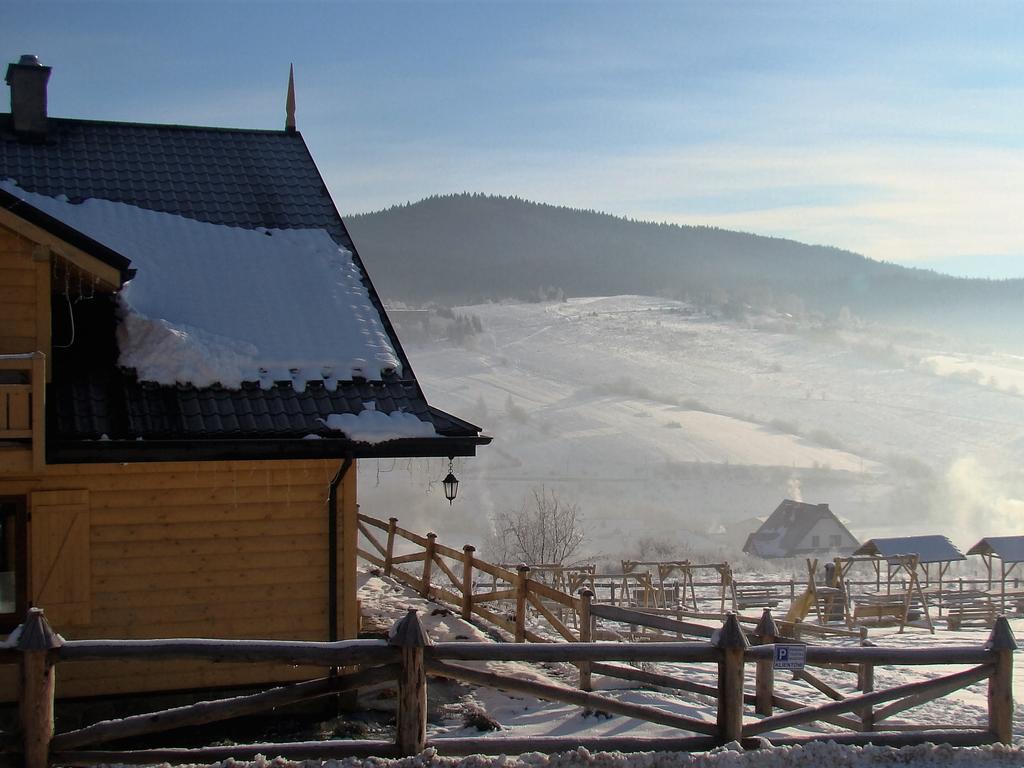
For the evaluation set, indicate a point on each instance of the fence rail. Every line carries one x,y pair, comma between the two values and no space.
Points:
407,659
456,572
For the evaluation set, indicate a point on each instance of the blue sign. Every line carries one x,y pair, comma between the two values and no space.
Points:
790,656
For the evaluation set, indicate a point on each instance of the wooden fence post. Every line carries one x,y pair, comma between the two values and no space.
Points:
411,727
522,587
390,552
428,564
586,635
467,581
37,680
733,643
1000,683
866,683
766,633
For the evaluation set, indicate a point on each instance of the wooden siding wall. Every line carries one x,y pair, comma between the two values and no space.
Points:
24,296
202,549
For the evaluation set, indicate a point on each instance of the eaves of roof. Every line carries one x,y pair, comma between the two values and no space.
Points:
130,451
69,235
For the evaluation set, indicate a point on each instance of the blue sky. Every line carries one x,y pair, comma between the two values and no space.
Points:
891,129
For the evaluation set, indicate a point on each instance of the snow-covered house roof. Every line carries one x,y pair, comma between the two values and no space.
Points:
244,313
784,530
1009,549
929,549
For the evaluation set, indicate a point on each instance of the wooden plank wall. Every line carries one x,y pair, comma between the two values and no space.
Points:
18,295
201,549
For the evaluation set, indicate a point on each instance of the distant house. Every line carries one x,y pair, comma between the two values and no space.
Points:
192,361
796,529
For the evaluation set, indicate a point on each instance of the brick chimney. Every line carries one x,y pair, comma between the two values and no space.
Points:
27,80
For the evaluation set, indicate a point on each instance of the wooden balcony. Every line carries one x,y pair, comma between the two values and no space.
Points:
23,412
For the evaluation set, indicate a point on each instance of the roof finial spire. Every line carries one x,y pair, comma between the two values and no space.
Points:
289,120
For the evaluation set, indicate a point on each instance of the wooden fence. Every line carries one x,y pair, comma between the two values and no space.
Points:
408,658
458,570
503,596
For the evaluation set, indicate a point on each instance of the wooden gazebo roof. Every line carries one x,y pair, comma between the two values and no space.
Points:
929,549
1009,549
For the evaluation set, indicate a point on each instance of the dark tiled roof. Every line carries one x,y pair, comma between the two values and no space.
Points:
241,178
118,406
223,176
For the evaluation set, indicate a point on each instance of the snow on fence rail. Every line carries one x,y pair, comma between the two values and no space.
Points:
408,658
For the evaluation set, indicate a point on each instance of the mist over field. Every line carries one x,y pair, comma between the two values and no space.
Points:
676,421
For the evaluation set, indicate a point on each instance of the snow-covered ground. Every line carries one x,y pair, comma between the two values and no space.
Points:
809,756
384,601
526,716
661,421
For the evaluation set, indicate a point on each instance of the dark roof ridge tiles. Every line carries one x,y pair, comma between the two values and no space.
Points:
5,118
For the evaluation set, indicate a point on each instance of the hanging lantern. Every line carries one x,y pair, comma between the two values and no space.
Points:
451,482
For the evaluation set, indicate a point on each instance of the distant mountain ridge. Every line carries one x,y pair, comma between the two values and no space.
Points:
469,248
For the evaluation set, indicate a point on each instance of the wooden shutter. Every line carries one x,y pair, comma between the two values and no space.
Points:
60,580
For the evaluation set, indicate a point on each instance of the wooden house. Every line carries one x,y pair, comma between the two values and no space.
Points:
796,529
192,361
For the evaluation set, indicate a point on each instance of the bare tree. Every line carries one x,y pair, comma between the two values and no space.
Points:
545,529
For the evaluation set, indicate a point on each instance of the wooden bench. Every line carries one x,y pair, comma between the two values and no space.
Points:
880,612
757,597
972,615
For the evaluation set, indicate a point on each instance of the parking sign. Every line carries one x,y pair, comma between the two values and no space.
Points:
790,656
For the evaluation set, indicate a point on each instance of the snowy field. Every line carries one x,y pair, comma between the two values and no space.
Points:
667,425
660,420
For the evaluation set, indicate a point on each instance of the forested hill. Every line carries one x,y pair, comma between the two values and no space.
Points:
473,248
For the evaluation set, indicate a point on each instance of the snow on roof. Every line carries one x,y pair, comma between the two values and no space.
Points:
929,549
373,426
1009,549
217,304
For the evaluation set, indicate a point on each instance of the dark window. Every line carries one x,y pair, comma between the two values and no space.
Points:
815,541
13,579
835,541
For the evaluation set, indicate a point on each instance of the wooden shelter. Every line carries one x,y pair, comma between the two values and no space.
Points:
935,554
1009,552
678,578
139,508
878,606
